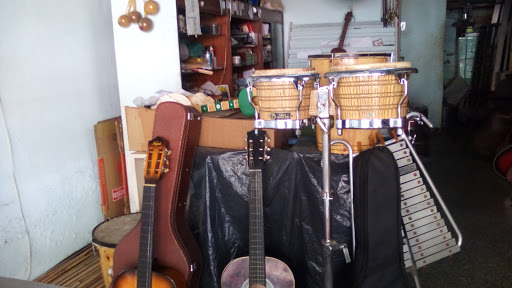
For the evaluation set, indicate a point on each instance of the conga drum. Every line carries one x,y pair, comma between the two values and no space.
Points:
105,238
282,94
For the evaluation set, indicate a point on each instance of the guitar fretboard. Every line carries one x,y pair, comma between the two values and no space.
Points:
146,235
256,233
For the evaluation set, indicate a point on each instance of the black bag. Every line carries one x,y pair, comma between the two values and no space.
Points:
379,257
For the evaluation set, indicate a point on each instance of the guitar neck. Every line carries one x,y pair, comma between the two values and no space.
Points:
256,233
348,17
343,34
146,235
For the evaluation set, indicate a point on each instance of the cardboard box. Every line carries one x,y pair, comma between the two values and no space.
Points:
139,123
225,129
221,129
112,168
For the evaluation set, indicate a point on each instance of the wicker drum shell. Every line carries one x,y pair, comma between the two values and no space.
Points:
276,100
370,97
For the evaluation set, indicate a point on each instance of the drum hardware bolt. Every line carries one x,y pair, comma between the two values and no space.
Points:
110,272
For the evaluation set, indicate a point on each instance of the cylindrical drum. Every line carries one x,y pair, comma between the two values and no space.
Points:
275,99
370,96
105,238
323,62
359,139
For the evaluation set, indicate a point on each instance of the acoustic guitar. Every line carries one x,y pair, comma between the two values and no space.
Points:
256,270
339,49
144,276
173,243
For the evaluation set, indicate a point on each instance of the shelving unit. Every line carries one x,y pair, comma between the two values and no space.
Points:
225,73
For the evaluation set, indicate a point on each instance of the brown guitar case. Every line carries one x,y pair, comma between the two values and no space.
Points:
173,244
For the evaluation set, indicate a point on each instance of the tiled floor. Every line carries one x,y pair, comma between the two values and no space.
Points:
476,197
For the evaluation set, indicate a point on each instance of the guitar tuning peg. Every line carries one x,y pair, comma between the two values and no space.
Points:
267,139
168,152
165,170
166,162
267,148
266,157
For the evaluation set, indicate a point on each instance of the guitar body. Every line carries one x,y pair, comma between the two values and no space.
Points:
173,243
170,279
236,274
503,163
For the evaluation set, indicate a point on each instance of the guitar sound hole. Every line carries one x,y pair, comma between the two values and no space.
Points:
246,284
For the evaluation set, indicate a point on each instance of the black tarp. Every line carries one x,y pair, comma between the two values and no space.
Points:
293,212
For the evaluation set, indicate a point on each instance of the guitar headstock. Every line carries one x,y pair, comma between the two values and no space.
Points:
257,149
348,17
155,159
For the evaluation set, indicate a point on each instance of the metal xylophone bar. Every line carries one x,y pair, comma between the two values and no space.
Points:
424,226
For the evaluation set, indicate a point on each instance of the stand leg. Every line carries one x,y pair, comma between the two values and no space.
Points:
326,176
414,269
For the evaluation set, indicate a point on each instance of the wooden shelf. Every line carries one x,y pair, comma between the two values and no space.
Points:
221,43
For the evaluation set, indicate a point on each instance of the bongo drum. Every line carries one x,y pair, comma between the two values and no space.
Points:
358,139
370,91
105,238
323,62
282,94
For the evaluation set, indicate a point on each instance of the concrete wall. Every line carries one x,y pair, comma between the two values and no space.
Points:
57,79
423,45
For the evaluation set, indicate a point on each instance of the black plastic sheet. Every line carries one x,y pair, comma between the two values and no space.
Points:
293,212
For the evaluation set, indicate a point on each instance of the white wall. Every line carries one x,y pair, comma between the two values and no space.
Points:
57,79
146,62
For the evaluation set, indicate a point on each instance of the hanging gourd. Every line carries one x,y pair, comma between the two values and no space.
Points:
145,24
151,7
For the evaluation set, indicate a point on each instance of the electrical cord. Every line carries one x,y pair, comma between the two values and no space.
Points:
9,146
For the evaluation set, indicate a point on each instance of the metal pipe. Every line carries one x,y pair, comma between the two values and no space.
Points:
351,179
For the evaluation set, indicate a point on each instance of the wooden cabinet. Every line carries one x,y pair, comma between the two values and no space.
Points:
239,35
